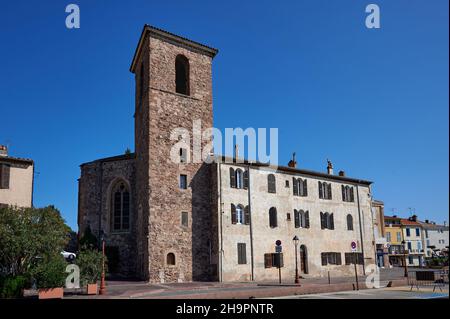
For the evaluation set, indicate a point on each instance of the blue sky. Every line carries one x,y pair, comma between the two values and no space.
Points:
373,101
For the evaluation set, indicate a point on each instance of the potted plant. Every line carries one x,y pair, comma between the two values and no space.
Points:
50,275
90,262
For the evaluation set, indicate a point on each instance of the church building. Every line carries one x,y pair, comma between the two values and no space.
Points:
176,221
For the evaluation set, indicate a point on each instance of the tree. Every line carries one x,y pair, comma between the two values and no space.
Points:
29,236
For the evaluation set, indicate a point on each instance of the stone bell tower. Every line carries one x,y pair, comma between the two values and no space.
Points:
173,198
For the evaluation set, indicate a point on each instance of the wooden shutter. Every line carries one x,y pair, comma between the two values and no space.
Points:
271,183
305,188
4,176
324,259
296,219
242,254
246,215
307,219
232,178
320,190
322,220
343,193
349,222
329,191
352,199
331,222
246,179
233,214
295,186
268,260
338,259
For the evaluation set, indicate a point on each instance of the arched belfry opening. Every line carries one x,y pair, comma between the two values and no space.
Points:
182,75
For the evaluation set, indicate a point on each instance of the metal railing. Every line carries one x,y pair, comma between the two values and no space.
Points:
427,278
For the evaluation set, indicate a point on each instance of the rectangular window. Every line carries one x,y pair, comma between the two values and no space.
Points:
287,183
331,258
409,246
288,216
417,232
242,253
388,237
4,176
411,260
183,181
185,219
399,237
351,258
268,260
408,232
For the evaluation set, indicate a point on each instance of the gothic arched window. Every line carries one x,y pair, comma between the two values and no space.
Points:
182,74
120,207
239,178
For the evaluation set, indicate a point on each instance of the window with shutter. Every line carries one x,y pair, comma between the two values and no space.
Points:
343,193
247,215
331,221
295,186
300,186
320,190
271,183
322,220
242,254
338,259
268,260
233,214
349,222
352,198
4,176
232,178
296,219
324,259
246,179
307,219
305,188
329,192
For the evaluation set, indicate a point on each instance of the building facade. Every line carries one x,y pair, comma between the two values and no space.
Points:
436,238
395,240
166,216
414,243
382,254
16,180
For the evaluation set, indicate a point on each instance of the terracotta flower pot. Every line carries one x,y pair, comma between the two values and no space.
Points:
92,289
51,293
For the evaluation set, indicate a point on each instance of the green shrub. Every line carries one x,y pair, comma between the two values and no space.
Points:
11,287
50,273
90,263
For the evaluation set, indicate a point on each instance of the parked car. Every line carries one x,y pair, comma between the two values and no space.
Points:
68,255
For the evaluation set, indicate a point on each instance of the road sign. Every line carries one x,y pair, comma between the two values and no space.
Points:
278,249
278,242
353,245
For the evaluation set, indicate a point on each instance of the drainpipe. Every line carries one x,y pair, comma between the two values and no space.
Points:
251,222
360,229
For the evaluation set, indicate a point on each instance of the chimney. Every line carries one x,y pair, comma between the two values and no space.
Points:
395,216
329,167
427,221
3,150
414,218
341,173
292,162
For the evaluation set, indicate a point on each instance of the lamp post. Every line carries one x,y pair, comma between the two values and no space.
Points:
296,240
102,290
404,258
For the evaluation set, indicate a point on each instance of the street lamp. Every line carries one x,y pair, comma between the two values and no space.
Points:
404,258
102,290
296,240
